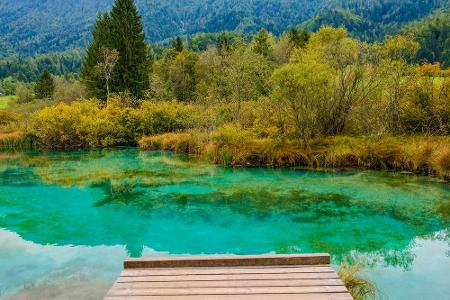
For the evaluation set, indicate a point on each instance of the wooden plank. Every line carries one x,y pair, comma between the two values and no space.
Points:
226,291
312,296
228,283
244,267
222,271
227,260
261,277
235,267
325,275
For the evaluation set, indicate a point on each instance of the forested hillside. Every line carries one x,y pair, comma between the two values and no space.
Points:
29,68
30,27
372,20
433,34
55,25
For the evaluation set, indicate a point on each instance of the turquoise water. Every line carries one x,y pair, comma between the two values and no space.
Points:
68,219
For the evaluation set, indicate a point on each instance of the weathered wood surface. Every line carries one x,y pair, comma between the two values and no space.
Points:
262,277
228,261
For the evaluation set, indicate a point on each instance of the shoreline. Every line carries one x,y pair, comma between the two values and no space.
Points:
406,155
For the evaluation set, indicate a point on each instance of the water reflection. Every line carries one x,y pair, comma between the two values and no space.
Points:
105,205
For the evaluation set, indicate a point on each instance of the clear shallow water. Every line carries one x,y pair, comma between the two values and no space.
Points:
68,219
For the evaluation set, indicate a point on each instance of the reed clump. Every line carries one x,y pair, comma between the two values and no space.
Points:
234,146
359,287
15,140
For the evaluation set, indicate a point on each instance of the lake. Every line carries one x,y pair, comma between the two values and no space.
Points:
68,219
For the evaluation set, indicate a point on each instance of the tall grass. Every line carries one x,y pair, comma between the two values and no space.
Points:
15,140
232,146
191,142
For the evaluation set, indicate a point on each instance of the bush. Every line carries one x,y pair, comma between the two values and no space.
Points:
89,124
192,142
6,118
60,126
159,117
68,90
85,124
24,93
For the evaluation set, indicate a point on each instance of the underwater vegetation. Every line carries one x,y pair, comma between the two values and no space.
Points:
155,203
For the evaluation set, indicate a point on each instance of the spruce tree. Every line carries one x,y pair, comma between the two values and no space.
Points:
261,44
298,39
223,44
177,44
128,38
101,39
120,30
45,86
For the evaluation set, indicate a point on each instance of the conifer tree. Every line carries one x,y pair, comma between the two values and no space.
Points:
223,43
298,39
177,44
261,44
101,39
128,38
45,86
120,30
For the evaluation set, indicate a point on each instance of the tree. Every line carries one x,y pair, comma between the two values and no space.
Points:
177,44
262,44
128,38
45,86
223,44
399,77
122,31
298,39
302,90
182,74
8,85
101,38
106,67
246,77
210,77
24,93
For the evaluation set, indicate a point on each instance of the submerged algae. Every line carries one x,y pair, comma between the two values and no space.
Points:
174,204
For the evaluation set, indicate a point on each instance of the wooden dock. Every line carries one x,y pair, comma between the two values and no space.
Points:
260,277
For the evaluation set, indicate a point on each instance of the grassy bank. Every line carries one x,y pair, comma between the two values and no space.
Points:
5,100
233,147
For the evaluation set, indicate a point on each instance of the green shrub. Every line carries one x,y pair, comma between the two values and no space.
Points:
192,142
85,124
159,117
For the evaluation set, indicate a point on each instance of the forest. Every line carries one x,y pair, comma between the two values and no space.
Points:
367,21
27,31
318,99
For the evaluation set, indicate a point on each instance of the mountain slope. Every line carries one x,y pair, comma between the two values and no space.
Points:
31,27
433,34
372,20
